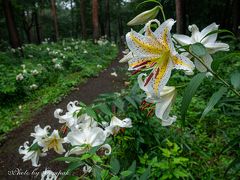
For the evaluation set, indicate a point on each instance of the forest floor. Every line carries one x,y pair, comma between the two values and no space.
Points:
11,165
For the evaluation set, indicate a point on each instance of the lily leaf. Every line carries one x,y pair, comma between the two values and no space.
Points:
235,80
115,165
214,100
190,91
198,49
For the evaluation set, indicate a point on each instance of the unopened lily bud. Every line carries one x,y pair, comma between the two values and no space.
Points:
144,17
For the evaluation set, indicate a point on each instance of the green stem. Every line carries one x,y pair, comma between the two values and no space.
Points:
215,74
163,14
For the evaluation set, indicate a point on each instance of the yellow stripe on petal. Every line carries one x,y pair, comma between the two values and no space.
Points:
145,46
158,77
177,61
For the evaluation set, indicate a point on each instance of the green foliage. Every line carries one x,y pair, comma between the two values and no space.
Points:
48,71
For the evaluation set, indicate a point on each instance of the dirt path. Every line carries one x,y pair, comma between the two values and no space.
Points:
11,162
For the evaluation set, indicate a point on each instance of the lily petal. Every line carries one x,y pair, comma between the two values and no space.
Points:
214,47
208,29
140,44
182,62
183,39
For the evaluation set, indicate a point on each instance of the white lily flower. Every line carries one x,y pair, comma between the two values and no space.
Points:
53,141
163,100
116,124
87,169
30,155
70,117
90,137
107,149
155,50
209,42
164,106
114,74
47,174
40,133
126,57
85,121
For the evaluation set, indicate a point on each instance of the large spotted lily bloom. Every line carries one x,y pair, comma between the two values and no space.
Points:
209,42
163,100
155,51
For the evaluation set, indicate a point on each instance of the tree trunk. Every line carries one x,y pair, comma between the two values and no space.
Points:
82,16
54,16
72,29
236,17
12,30
95,21
180,16
27,26
120,26
107,20
37,27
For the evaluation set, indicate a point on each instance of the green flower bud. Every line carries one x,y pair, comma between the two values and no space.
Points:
144,17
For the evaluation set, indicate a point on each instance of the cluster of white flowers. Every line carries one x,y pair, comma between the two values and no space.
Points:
19,77
33,86
58,66
83,133
102,41
46,40
34,72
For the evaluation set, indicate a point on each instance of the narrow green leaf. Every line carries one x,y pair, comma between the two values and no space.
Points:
198,49
235,80
126,173
131,101
214,100
234,165
69,159
119,104
180,173
132,167
115,165
105,109
91,112
34,147
189,92
146,174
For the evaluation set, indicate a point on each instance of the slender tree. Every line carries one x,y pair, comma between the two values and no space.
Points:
107,19
37,26
54,16
82,16
236,17
95,7
27,20
180,16
12,30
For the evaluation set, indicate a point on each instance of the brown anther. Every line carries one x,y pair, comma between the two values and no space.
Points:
148,79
